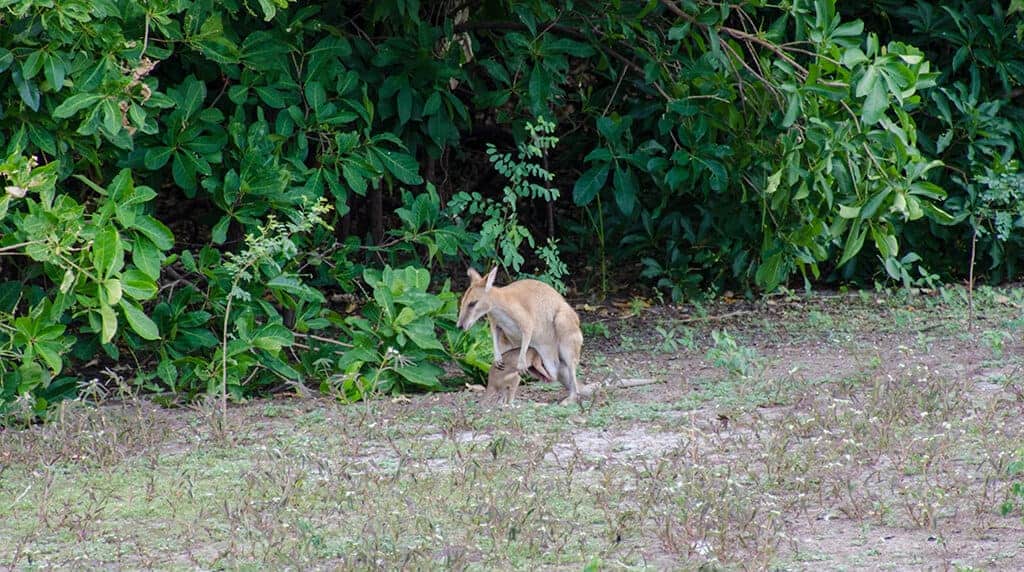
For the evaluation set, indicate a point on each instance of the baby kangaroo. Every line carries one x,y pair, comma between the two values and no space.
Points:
526,314
502,384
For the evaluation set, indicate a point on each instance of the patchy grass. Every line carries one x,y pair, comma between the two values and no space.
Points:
841,432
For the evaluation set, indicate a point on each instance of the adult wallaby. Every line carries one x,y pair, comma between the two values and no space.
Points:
527,314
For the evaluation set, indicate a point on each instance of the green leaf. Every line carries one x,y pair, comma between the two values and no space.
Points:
74,104
571,47
854,242
155,230
792,110
677,33
28,90
292,285
112,287
854,28
271,97
927,189
32,376
936,214
219,233
625,189
184,173
405,317
68,281
111,117
423,374
601,154
540,88
354,178
589,184
852,57
422,333
269,9
771,272
773,182
404,101
139,321
33,63
433,104
107,252
108,324
272,338
871,207
867,82
400,164
147,257
54,70
157,157
214,44
263,50
137,284
6,59
848,212
316,96
10,294
51,354
167,372
875,104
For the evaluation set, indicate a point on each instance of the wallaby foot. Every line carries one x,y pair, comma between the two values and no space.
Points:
570,400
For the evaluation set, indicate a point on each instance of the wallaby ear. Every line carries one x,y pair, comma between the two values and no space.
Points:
490,278
474,276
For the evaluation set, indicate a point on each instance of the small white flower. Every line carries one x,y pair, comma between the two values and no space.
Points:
15,191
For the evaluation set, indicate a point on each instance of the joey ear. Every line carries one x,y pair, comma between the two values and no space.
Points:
490,278
474,276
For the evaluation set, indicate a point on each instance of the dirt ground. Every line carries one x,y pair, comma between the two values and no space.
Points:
859,431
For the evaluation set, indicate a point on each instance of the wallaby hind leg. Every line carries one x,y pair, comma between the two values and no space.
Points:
568,378
568,357
510,392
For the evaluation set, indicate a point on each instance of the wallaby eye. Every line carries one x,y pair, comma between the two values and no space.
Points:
471,304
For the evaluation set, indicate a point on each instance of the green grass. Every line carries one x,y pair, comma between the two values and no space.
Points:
852,422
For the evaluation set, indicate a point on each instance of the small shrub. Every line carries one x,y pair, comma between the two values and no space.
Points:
394,342
737,360
502,235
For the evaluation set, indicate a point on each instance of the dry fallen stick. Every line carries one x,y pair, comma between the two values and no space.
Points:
718,317
683,320
588,390
592,388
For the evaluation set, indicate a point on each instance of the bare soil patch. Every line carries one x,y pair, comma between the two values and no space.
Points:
856,432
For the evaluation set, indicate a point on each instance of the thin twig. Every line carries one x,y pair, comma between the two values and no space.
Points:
323,339
145,38
19,245
725,316
615,92
563,29
970,283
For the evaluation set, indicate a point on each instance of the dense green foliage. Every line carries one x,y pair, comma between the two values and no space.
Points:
238,196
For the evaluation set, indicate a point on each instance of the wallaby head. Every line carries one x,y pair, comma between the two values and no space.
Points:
476,301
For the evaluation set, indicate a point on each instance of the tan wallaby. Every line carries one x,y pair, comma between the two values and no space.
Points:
527,314
502,384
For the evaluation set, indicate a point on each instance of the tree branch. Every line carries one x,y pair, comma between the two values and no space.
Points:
562,29
738,34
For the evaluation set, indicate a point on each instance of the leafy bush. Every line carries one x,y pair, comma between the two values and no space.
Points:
710,145
82,253
502,233
394,342
972,121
